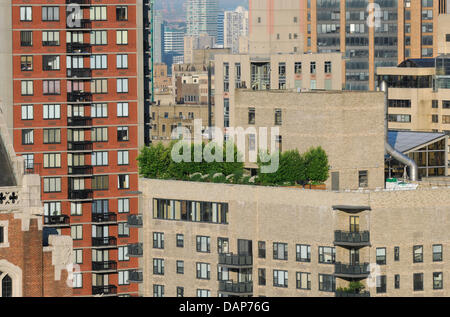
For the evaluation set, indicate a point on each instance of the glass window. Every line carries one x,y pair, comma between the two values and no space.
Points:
437,252
418,254
418,281
327,283
280,278
381,256
280,251
437,280
327,255
304,280
303,253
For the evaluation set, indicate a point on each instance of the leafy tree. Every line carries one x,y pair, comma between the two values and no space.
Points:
316,165
154,161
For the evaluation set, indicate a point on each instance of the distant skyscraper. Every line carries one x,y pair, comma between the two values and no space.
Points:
235,26
201,17
158,37
220,28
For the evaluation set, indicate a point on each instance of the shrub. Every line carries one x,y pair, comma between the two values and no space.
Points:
316,166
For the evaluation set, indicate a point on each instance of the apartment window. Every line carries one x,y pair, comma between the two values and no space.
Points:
437,252
52,136
180,267
446,104
279,143
280,251
158,240
51,112
304,280
29,160
312,68
180,291
124,277
203,244
121,37
203,293
278,118
123,253
100,134
123,229
363,179
99,61
280,278
100,182
399,118
251,115
26,14
327,67
27,87
26,63
121,13
418,254
2,234
438,280
51,87
222,245
122,134
123,181
123,205
76,232
26,38
396,253
397,281
435,118
27,112
180,240
262,277
122,61
303,253
327,283
158,290
98,13
122,85
52,160
381,256
50,13
99,110
122,158
298,67
50,62
100,206
50,38
76,209
418,281
99,158
99,38
27,136
158,266
327,255
99,86
399,103
78,256
203,271
52,208
77,280
381,283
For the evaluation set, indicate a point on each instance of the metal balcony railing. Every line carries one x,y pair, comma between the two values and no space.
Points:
235,288
351,270
135,221
135,250
104,266
351,238
104,217
135,276
352,294
80,24
79,48
80,194
235,259
104,242
79,72
104,290
79,96
32,168
79,121
79,146
58,220
80,170
78,1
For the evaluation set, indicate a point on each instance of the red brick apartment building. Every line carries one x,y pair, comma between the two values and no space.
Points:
76,118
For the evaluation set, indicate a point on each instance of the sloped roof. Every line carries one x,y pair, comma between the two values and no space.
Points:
404,141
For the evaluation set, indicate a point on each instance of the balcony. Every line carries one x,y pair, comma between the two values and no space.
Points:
352,294
351,239
79,72
104,290
31,168
236,289
79,24
80,170
104,242
135,250
79,145
79,48
135,276
79,96
230,259
135,221
79,121
351,209
57,221
353,271
80,194
104,266
104,217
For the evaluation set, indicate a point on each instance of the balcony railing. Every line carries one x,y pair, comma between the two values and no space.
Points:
78,1
104,217
79,72
135,276
80,170
80,24
351,238
351,270
352,294
104,290
79,48
104,266
32,168
79,121
80,194
79,96
235,259
79,145
135,250
58,220
104,242
135,221
236,288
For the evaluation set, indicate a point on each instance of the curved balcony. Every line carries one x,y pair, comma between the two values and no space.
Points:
80,170
353,271
104,290
104,242
79,72
351,239
80,194
135,250
57,221
79,146
135,221
104,266
135,276
104,217
351,209
79,96
235,260
352,294
236,289
79,48
79,121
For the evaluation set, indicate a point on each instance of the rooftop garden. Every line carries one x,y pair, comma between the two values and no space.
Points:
157,162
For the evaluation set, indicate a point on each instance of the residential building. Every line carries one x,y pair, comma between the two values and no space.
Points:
79,123
235,27
161,80
201,17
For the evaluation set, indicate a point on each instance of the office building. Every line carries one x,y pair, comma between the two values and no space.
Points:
235,27
158,37
201,17
220,29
